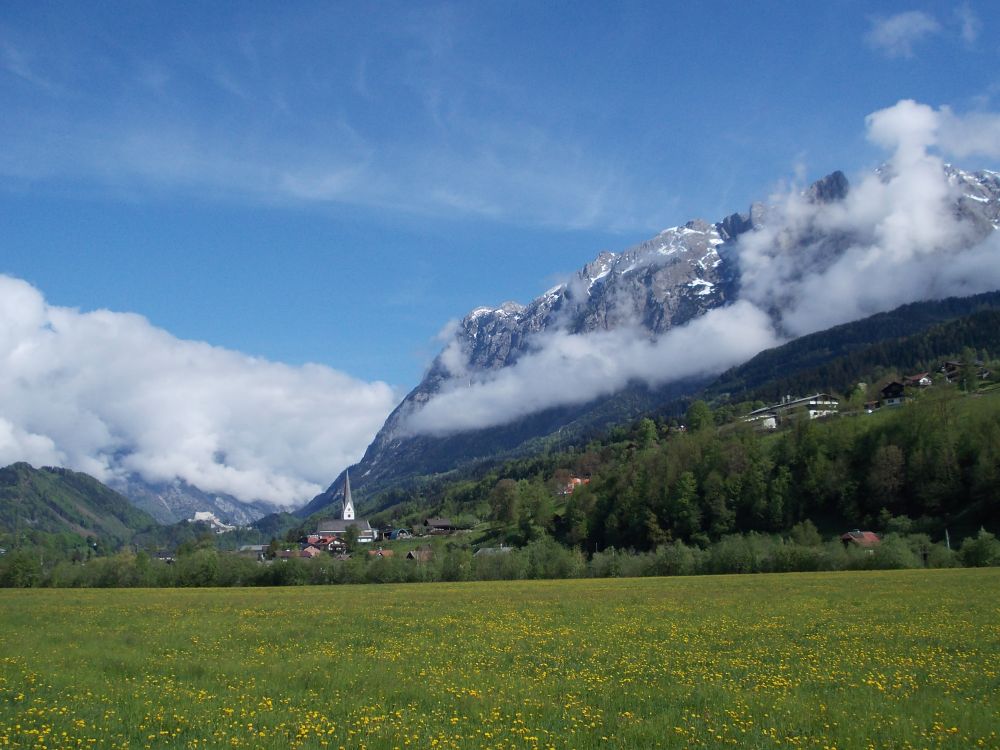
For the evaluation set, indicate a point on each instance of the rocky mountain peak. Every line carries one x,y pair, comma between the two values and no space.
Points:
665,281
831,188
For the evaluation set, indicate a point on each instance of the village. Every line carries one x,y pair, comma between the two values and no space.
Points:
346,536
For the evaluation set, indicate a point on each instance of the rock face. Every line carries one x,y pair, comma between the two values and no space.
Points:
170,502
666,281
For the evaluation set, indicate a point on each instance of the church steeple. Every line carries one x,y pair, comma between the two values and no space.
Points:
348,502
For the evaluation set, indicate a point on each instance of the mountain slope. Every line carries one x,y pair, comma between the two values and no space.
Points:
54,500
657,286
170,502
837,357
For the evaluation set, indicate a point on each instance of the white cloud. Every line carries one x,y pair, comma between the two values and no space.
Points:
976,134
593,365
894,239
899,238
109,394
895,36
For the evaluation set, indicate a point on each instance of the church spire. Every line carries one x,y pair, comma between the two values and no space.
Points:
348,502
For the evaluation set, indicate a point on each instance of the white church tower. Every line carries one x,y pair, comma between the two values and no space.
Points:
348,502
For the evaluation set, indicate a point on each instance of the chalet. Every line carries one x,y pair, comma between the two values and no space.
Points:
893,394
422,554
327,542
337,527
333,544
920,380
952,370
439,525
816,405
381,553
863,539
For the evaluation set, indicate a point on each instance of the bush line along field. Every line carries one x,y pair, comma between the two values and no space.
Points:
888,659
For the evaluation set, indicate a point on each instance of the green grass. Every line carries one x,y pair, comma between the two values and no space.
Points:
873,659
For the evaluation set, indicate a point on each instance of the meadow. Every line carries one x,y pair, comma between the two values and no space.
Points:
887,659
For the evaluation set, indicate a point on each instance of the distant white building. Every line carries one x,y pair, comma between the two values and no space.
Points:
207,516
817,405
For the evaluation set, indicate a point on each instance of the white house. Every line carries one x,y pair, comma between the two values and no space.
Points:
816,405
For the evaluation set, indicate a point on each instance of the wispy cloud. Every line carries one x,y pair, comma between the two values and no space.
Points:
17,63
969,24
109,394
395,121
897,35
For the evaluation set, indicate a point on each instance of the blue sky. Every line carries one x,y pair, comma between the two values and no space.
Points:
334,182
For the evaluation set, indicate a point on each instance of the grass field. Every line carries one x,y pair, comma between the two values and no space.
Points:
871,659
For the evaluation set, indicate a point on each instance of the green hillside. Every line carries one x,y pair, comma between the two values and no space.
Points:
905,339
55,501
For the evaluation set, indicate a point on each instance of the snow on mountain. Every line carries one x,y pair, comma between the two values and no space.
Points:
903,234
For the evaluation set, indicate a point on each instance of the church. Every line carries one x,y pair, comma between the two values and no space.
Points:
337,527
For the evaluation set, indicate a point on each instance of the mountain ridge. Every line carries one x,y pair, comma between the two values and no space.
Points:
664,282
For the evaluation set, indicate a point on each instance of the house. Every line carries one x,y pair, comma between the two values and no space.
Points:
439,525
893,394
816,405
863,539
337,527
257,551
422,554
310,552
381,553
572,484
333,544
952,370
920,380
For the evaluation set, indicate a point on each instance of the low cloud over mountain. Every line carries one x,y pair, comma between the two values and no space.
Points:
110,394
914,229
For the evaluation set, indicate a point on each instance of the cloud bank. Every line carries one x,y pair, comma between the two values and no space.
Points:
896,238
110,394
568,368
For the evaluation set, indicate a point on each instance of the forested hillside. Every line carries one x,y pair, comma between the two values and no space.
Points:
68,503
839,358
927,466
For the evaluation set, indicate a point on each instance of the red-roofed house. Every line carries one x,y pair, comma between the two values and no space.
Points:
863,539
